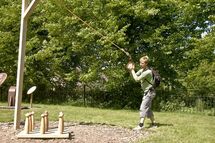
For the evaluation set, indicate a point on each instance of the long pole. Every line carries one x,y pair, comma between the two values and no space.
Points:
62,4
20,72
25,13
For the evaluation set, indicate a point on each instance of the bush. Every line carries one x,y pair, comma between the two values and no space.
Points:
171,106
199,105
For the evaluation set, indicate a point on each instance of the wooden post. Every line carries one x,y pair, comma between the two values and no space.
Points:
84,94
26,11
30,93
26,128
42,124
32,120
31,100
61,123
46,121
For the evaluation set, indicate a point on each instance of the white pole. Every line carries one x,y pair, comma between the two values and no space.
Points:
21,58
20,69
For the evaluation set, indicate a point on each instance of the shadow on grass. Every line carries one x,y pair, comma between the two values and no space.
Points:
159,125
13,107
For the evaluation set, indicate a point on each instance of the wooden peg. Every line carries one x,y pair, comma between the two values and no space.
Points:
42,125
26,128
61,123
31,100
46,121
32,120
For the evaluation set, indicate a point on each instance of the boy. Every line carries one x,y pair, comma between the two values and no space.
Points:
144,75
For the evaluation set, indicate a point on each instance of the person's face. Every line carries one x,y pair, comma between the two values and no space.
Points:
143,63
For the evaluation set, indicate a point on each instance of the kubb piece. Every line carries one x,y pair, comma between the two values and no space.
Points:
26,128
32,120
42,124
46,121
61,123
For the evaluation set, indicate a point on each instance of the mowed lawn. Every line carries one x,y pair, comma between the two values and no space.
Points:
173,127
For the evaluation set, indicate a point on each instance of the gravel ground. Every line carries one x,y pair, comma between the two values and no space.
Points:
80,133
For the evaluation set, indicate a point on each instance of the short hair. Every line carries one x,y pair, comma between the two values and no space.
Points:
145,58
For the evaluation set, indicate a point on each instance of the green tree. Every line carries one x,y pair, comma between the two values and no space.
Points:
9,39
200,77
71,42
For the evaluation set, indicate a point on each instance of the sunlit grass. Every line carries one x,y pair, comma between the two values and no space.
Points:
173,127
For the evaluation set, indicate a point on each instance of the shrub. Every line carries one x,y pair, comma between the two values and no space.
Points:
199,105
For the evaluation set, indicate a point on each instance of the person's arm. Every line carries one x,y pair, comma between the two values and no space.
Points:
131,67
139,77
139,72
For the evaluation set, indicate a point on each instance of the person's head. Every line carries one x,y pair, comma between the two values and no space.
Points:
144,61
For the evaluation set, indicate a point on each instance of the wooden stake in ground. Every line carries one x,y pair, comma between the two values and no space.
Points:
44,132
46,121
26,128
32,121
61,123
27,10
30,92
42,124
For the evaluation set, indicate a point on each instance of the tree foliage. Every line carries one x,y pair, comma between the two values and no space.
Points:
70,43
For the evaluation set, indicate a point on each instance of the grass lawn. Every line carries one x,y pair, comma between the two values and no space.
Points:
173,127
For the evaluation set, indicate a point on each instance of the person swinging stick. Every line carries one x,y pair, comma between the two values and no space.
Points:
143,76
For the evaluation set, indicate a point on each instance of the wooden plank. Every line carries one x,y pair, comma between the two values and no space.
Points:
30,8
52,133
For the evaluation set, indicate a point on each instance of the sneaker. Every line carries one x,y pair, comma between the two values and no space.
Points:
154,125
138,128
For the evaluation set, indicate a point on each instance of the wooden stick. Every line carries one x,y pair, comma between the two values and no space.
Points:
46,121
26,128
32,120
31,100
42,125
61,123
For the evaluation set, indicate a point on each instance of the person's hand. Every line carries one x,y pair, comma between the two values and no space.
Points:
130,66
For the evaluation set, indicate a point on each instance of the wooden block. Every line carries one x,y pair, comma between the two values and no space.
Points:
46,121
52,133
32,121
42,124
41,133
26,128
61,123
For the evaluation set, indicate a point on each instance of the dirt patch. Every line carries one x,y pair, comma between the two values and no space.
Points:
80,133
